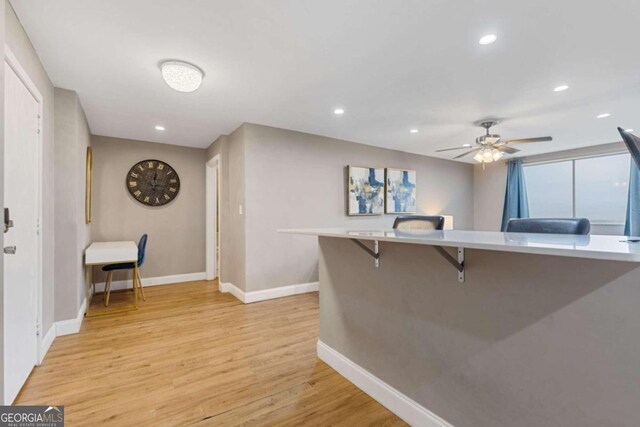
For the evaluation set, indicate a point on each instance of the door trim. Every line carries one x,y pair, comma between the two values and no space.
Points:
13,62
212,188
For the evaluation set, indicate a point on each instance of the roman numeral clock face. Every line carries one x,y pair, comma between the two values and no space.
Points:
153,183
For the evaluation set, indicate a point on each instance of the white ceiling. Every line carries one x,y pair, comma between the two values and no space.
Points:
392,65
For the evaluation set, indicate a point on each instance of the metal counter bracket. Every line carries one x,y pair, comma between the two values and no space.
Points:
458,264
375,253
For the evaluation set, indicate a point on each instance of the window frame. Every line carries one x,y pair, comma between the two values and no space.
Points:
573,160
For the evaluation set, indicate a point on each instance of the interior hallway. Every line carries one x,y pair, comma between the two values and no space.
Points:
192,355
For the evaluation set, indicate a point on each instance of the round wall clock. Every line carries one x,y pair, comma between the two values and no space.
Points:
153,182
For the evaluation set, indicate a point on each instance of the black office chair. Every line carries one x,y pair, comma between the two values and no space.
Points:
578,226
418,222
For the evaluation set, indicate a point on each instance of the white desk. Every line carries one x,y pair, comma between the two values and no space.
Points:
104,253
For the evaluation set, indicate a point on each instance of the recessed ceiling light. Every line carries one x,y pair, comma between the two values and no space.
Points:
338,111
467,145
414,131
561,88
488,39
602,116
159,127
628,130
181,76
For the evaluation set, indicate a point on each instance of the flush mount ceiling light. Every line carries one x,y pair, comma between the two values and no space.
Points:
160,128
181,76
603,115
338,111
488,39
561,88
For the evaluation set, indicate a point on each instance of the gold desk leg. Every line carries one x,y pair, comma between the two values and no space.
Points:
135,286
86,287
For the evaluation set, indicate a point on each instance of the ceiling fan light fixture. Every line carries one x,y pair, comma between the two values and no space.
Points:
487,155
497,155
478,157
181,76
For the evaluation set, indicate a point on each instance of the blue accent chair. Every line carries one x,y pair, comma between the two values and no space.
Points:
578,226
142,246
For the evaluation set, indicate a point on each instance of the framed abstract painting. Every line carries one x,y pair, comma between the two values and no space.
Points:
401,191
365,191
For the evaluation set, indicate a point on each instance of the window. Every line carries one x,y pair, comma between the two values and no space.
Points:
594,188
550,189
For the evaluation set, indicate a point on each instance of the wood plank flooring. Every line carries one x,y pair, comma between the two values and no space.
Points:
192,355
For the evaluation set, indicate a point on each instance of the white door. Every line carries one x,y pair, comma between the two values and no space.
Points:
21,173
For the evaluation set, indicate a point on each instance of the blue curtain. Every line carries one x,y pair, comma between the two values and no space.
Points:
632,223
515,198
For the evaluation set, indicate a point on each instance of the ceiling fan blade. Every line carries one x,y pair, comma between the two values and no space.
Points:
456,148
539,139
468,152
506,149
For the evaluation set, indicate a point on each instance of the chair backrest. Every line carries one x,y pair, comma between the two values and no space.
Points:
142,247
419,222
578,226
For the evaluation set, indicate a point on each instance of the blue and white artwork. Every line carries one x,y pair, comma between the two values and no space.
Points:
401,191
366,191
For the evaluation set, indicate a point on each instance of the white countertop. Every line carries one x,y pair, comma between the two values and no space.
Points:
100,253
594,247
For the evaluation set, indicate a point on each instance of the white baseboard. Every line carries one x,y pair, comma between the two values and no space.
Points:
71,326
267,294
232,289
47,340
154,281
404,407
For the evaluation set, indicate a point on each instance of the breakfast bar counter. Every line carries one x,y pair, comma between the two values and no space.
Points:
470,328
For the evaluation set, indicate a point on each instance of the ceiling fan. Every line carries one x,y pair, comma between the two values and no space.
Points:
490,148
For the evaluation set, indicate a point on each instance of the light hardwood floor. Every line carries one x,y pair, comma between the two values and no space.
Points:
192,355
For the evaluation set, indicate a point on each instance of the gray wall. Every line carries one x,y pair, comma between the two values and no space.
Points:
176,231
526,341
72,137
296,180
489,186
20,45
231,150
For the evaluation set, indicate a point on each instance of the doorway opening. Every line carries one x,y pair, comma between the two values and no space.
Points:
213,212
23,251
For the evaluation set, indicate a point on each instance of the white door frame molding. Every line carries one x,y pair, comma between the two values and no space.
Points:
12,62
212,189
